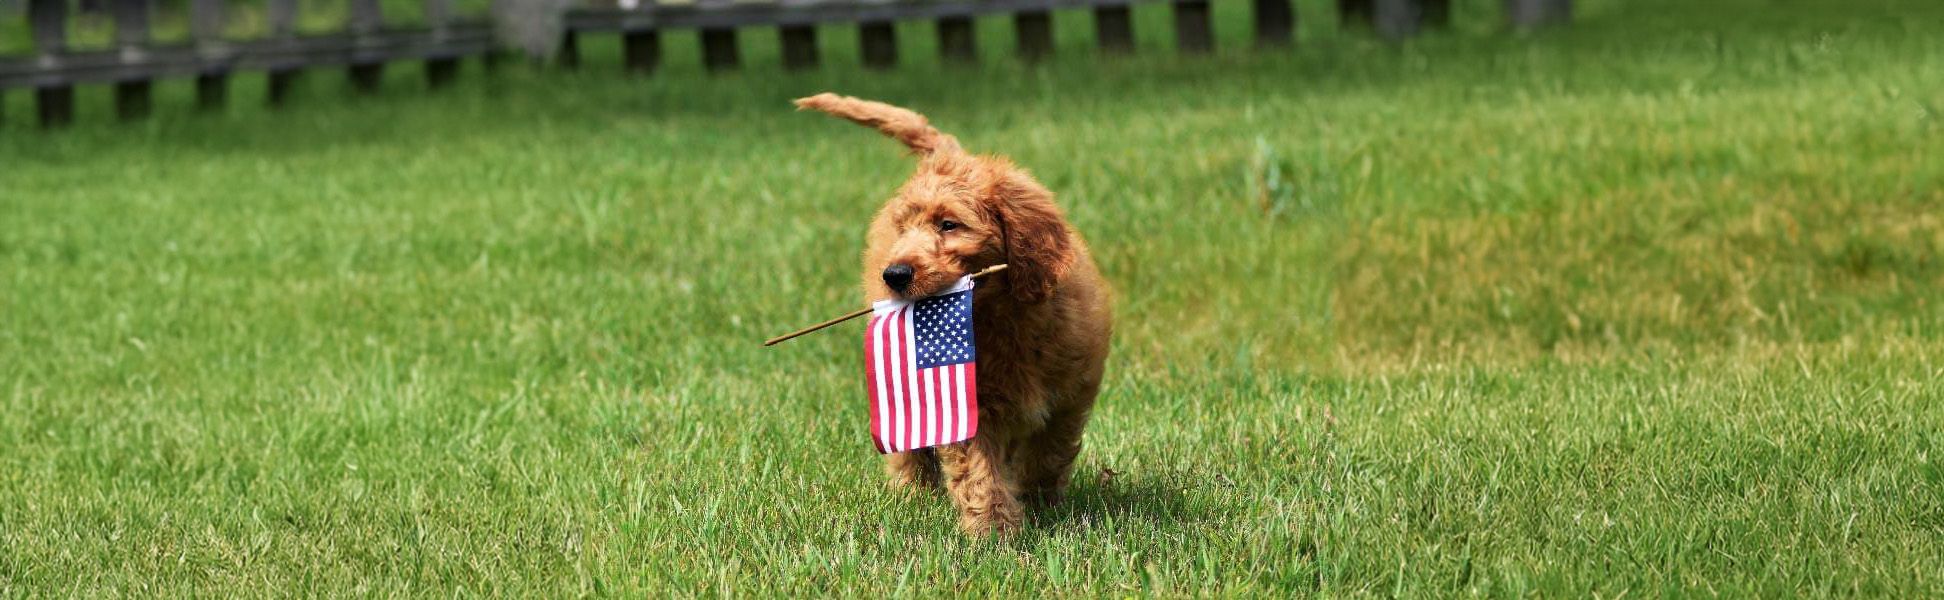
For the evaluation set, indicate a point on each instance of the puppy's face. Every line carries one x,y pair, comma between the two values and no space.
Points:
937,229
958,214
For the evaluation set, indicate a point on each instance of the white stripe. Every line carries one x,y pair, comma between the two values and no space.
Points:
930,432
877,364
897,390
952,400
933,416
964,283
945,412
958,399
911,375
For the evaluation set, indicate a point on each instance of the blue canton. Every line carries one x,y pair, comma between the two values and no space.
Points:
943,325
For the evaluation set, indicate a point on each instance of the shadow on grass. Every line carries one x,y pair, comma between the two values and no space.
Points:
1119,501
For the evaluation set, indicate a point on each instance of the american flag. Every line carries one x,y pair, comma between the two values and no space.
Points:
918,367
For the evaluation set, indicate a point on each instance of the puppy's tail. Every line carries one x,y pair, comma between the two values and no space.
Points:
908,127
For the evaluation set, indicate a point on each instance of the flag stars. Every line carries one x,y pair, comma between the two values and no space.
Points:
942,328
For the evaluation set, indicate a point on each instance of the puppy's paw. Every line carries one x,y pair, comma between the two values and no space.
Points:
999,520
911,471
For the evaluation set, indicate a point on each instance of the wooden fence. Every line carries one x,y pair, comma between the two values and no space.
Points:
365,43
796,22
135,60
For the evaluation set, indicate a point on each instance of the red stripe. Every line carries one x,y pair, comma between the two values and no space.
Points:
956,400
870,381
971,399
890,380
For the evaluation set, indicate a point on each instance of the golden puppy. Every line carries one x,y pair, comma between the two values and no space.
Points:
1041,326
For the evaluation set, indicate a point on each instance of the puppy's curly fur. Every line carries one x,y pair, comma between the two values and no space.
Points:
1042,326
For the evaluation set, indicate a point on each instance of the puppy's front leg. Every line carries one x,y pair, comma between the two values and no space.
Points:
985,490
918,468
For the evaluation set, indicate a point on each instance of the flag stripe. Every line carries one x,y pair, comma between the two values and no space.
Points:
910,373
931,408
951,409
884,393
874,384
958,408
944,400
939,398
913,412
968,385
958,381
945,408
902,426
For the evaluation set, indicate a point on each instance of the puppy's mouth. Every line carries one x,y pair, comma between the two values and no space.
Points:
927,284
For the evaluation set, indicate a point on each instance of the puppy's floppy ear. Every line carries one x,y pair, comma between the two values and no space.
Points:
1039,249
902,124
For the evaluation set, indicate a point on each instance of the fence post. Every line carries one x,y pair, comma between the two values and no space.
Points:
1275,22
440,69
206,26
957,41
1114,28
1355,13
282,16
366,18
641,50
1192,34
48,18
1528,14
132,96
799,46
1397,19
719,50
879,40
1034,31
1437,13
568,55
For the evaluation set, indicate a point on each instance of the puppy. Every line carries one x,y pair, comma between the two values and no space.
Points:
1041,326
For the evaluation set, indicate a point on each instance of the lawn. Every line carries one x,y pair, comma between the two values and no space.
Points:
1650,305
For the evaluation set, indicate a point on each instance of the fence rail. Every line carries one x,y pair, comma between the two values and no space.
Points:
366,44
182,60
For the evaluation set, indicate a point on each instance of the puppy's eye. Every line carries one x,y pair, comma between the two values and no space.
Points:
948,225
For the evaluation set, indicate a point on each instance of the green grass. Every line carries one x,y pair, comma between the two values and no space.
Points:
1646,306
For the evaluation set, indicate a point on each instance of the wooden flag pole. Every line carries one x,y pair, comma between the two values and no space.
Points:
860,312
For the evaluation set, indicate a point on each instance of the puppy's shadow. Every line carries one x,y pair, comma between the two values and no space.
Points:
1123,499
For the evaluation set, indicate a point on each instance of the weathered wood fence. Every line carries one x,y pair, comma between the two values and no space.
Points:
365,43
135,60
796,22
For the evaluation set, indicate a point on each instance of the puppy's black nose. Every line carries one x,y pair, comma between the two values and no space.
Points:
897,276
